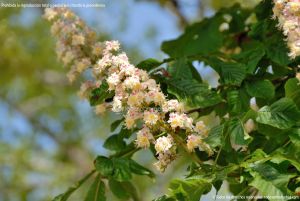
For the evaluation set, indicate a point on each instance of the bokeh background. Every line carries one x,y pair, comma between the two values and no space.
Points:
48,136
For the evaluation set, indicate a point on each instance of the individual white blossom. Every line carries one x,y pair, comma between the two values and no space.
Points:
151,117
100,109
180,120
201,129
113,80
176,120
117,104
144,137
193,141
163,144
172,106
135,99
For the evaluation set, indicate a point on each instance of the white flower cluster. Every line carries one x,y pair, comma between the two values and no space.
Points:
136,95
288,14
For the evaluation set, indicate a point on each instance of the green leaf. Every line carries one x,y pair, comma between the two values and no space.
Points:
277,50
116,124
238,101
294,135
260,89
237,133
275,134
231,73
189,189
122,170
104,165
269,181
282,114
193,93
125,133
251,55
140,170
199,38
115,143
264,9
65,196
183,69
215,134
123,190
149,64
273,40
265,187
292,90
280,157
99,94
96,191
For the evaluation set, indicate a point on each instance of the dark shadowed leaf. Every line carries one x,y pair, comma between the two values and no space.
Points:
149,64
260,89
231,73
99,95
104,165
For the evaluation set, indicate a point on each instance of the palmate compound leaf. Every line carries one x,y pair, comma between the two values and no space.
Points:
282,114
193,93
96,191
